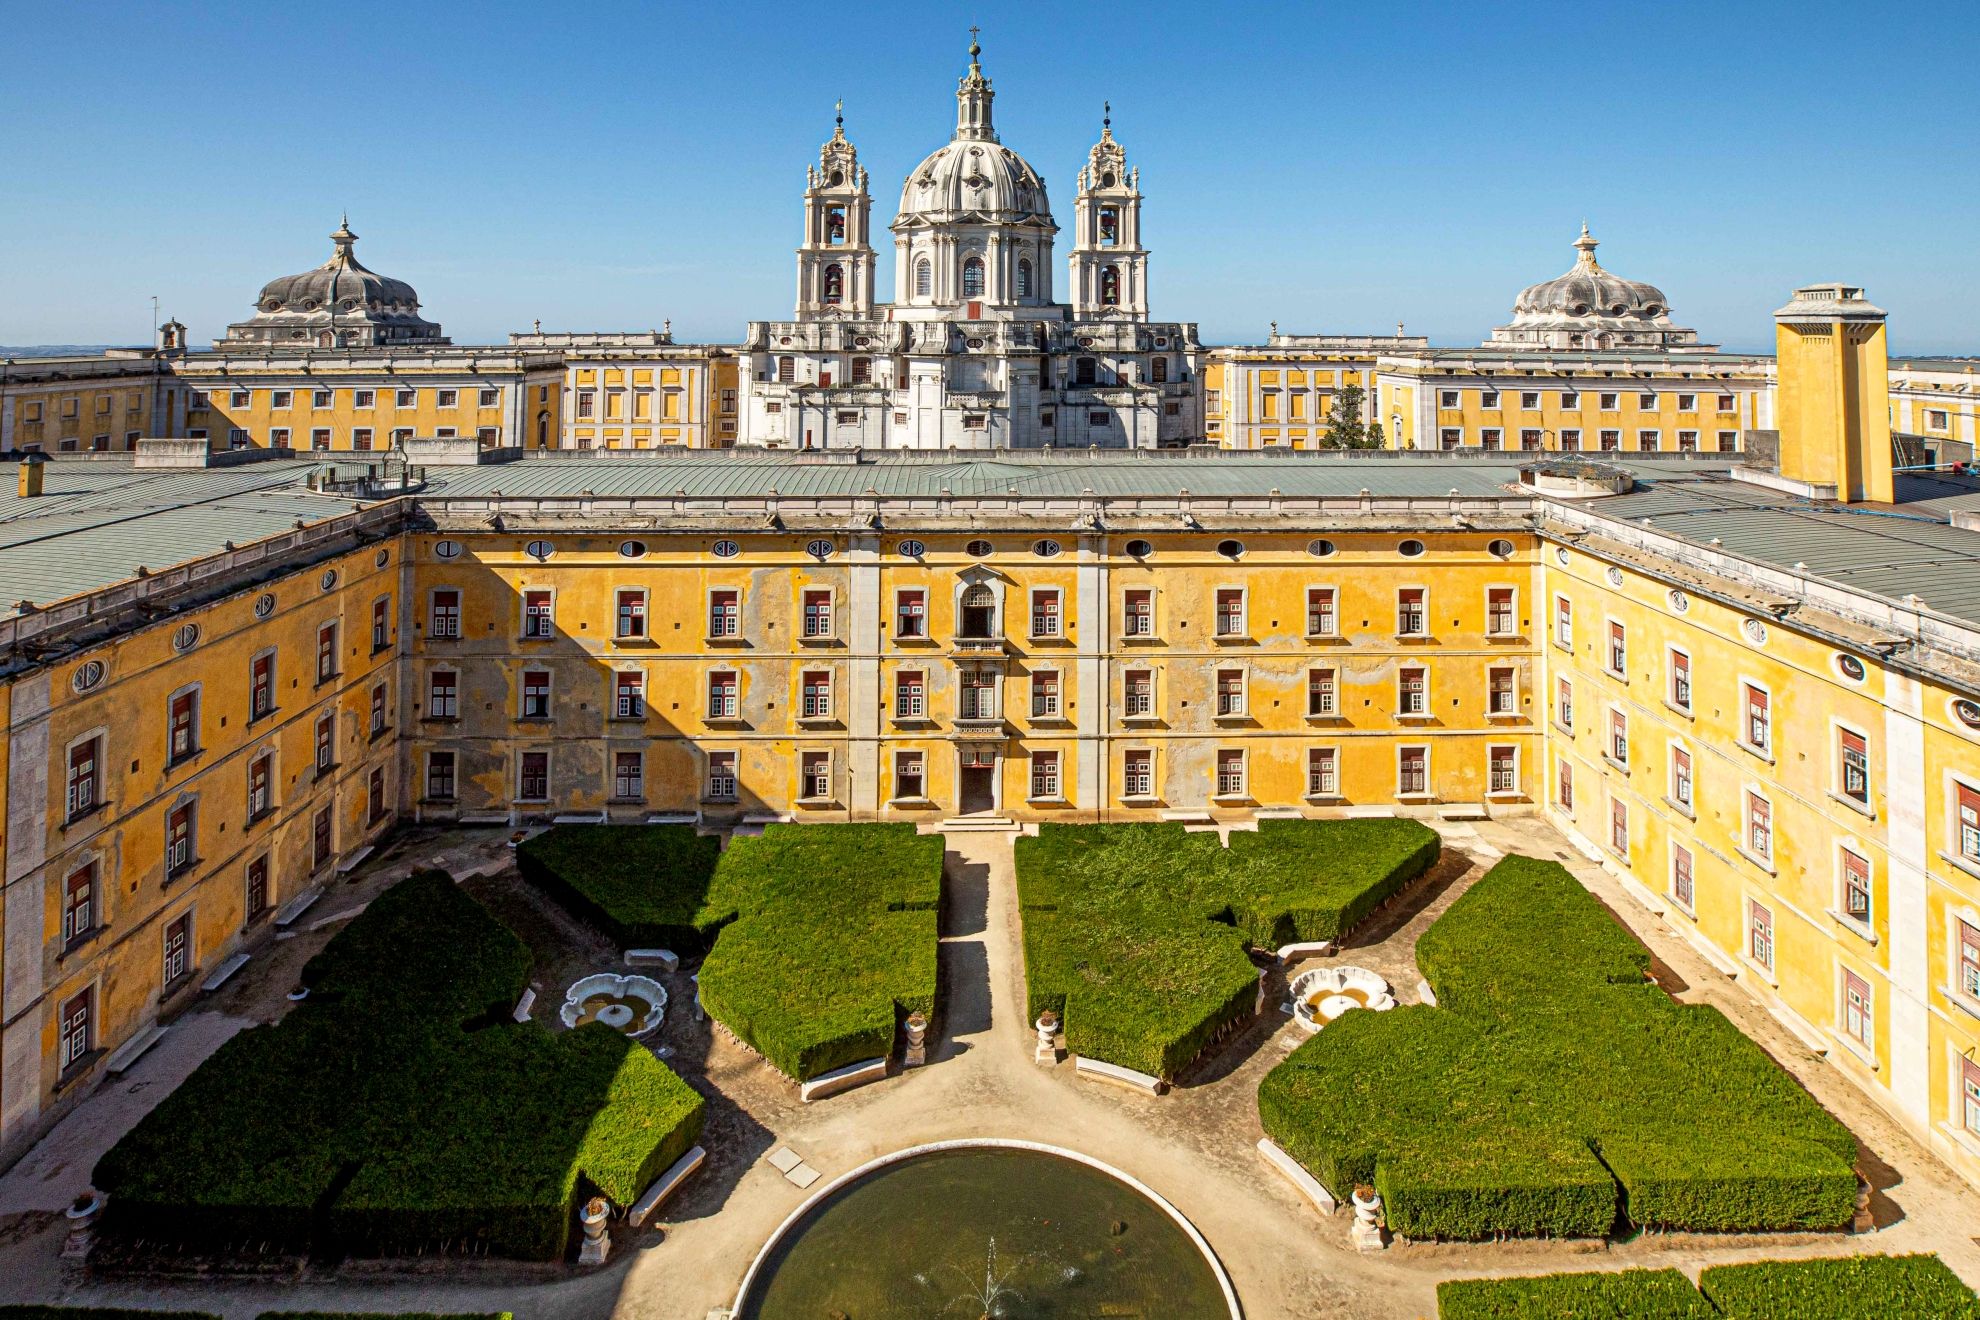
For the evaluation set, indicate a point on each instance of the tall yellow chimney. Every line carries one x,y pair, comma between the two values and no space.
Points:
1833,392
33,465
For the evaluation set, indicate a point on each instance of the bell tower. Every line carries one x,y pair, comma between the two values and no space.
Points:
1109,265
835,264
1833,395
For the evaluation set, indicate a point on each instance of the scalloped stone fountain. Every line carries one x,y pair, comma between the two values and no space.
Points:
1323,994
632,1004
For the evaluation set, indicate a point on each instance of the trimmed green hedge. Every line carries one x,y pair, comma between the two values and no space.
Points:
400,1106
644,886
385,1315
1136,934
1627,1295
95,1313
1555,1091
1846,1288
828,938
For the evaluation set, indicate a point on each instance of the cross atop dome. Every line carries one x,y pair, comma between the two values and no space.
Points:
1586,246
973,98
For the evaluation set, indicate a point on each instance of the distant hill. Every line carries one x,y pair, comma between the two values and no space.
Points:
55,350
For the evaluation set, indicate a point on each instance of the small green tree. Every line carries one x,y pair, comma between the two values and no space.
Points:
1372,437
1344,428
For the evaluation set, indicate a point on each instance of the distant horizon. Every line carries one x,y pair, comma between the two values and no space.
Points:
1427,177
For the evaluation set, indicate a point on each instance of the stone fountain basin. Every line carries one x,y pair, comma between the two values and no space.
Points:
622,1015
1323,994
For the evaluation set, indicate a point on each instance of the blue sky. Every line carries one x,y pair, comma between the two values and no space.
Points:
1333,167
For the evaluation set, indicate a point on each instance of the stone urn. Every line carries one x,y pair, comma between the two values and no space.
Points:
1047,1050
592,1219
917,1040
1366,1232
82,1214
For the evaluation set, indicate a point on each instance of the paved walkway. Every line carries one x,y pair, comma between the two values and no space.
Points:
1195,1145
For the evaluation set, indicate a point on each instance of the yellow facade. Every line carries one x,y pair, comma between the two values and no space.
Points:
1281,394
97,404
1835,414
1937,401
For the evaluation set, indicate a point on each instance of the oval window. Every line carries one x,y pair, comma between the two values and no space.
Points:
1500,549
1679,601
383,558
1045,549
819,549
977,549
88,674
446,549
1321,548
1850,668
1140,549
1967,712
328,580
1561,555
632,549
1755,630
264,605
1615,576
911,549
185,637
725,549
1230,549
539,550
1410,549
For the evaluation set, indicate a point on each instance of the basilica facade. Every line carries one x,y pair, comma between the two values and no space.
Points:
980,347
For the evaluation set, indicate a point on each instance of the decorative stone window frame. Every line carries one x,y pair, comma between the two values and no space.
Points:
926,636
1241,635
1837,728
1429,630
1556,617
1743,714
645,634
460,613
1061,615
1687,906
434,671
1429,790
1610,625
1154,634
549,692
523,593
612,711
516,782
1429,711
1513,712
805,592
977,575
713,638
1840,850
188,910
1952,782
1513,633
1154,755
1768,861
1518,790
192,753
1674,748
1670,681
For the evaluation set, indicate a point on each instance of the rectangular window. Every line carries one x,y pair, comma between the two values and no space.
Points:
628,776
1138,693
78,1035
1447,398
282,399
1728,442
1529,400
1564,703
1570,399
1727,403
1499,611
536,694
1320,692
448,398
326,653
1856,1009
908,780
817,606
1610,440
442,693
489,398
1564,793
79,905
629,695
1619,826
1618,650
538,618
1230,612
910,695
1757,726
379,697
1680,672
1681,777
1563,622
381,624
1044,614
1321,617
1969,822
1856,887
1488,398
326,742
721,775
1044,774
1489,438
1140,613
1230,774
1045,695
1647,440
1412,616
261,686
278,438
722,694
1450,437
815,776
182,727
440,776
1529,439
1759,826
257,887
631,613
375,795
179,840
1413,691
1619,737
911,614
1322,778
407,398
1138,774
1688,442
724,613
1646,403
1969,959
1687,403
1854,756
446,621
587,404
979,695
361,438
815,694
1570,439
319,399
1502,696
1413,771
1504,770
533,776
1760,934
1681,883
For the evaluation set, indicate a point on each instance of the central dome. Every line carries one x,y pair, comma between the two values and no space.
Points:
1589,290
975,178
1591,308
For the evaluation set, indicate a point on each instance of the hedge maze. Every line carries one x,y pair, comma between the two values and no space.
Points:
828,940
1847,1288
1136,934
1556,1091
399,1107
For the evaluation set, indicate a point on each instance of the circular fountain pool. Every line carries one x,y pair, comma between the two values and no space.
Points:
989,1230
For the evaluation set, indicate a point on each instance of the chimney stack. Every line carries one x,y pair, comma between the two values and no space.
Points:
34,465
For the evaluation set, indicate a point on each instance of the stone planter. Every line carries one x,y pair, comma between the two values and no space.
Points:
1047,1050
916,1052
592,1219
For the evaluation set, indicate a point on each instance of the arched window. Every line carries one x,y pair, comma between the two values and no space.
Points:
979,612
1110,226
973,278
1024,279
924,278
1110,286
786,369
835,284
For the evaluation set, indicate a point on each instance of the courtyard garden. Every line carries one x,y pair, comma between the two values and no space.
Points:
399,1108
1554,1090
1846,1288
819,939
1137,935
